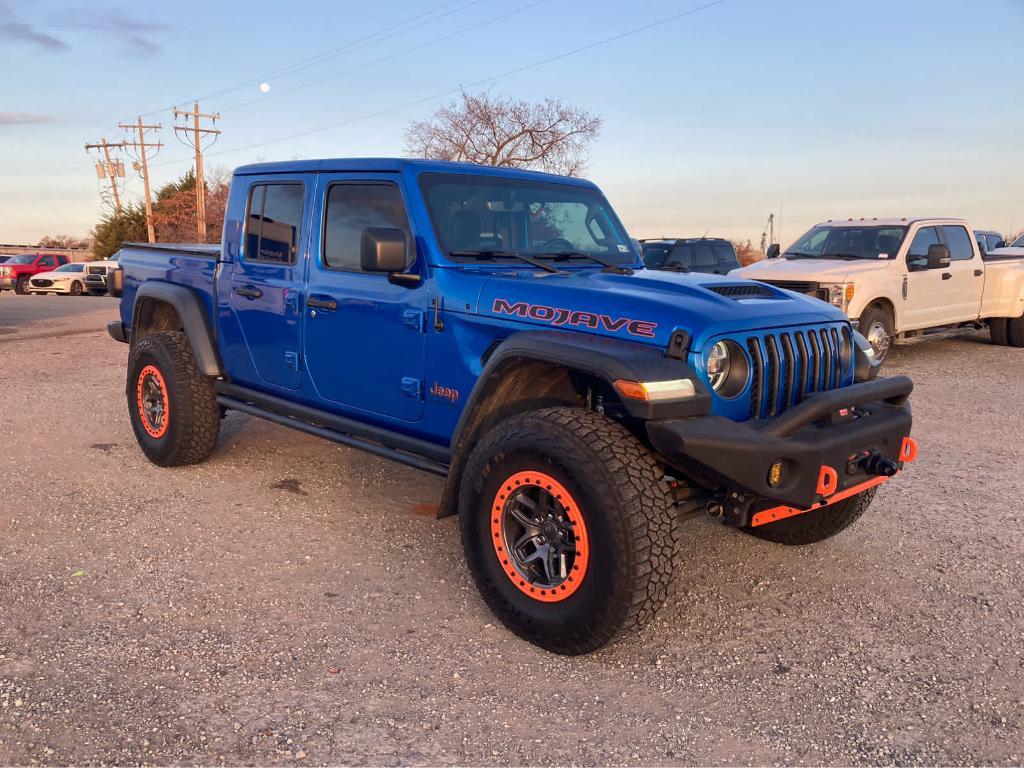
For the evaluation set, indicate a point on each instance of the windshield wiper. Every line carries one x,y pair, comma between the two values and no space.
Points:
498,254
607,264
802,255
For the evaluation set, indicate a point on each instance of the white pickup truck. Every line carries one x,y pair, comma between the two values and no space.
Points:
898,279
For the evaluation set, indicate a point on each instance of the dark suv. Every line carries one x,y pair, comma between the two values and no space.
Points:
714,255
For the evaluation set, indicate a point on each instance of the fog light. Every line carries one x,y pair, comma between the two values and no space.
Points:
775,474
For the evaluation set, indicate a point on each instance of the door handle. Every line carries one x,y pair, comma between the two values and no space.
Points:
322,302
946,275
978,273
249,293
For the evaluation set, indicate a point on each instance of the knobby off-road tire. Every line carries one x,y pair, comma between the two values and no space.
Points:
625,530
173,408
997,330
821,524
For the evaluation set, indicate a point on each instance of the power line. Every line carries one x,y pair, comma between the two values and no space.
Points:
482,81
337,51
196,142
109,169
140,144
389,57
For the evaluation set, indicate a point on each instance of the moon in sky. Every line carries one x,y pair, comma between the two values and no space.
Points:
265,87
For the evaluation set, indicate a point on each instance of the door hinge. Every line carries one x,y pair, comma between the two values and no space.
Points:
291,359
415,319
438,323
412,388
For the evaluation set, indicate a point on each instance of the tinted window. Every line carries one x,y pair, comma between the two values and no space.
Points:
654,254
993,242
351,208
274,223
704,256
71,268
24,258
63,259
48,261
959,243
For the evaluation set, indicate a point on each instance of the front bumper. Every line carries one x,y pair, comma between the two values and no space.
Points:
8,283
828,431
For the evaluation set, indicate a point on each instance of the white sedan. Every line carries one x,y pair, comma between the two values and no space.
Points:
66,280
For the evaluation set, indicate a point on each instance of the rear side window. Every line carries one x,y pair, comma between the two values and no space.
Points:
48,261
959,243
274,223
351,208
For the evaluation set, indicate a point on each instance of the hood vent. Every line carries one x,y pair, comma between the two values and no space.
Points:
744,291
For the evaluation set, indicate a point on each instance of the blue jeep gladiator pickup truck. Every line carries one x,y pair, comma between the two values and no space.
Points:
497,328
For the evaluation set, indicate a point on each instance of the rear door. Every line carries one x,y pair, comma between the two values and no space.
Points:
964,281
265,282
365,337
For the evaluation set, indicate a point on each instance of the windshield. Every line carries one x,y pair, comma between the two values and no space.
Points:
25,258
70,268
1018,243
479,217
865,242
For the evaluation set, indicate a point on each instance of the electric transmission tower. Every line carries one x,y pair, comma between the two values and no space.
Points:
194,135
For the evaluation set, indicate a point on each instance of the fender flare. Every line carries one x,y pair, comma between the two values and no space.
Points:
603,358
194,321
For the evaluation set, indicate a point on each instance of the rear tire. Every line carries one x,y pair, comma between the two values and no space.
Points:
76,288
818,525
624,529
173,408
997,330
1015,331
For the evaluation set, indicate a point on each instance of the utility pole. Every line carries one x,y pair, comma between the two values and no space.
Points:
140,145
196,143
106,169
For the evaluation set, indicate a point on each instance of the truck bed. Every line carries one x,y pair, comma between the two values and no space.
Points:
190,264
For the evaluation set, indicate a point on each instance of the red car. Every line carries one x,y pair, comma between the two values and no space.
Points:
17,270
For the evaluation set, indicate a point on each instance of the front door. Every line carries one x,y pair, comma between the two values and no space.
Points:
265,282
921,286
365,336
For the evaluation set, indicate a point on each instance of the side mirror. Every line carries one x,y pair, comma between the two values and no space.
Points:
382,250
773,251
115,282
938,256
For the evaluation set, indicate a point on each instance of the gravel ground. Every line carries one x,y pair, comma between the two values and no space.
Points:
294,602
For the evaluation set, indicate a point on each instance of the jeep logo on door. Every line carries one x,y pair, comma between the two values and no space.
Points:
567,317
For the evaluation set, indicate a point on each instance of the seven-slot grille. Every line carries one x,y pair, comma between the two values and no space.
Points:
790,365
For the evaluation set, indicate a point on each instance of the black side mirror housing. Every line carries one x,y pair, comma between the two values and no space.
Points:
382,249
773,251
115,282
938,256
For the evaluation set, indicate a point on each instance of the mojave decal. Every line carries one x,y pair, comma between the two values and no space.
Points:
560,317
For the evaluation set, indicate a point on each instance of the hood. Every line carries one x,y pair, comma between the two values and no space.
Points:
647,306
821,270
54,276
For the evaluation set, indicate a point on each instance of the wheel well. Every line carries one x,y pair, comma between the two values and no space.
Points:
886,306
153,316
521,385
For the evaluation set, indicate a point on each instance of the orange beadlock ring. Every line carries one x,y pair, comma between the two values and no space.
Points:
152,430
574,579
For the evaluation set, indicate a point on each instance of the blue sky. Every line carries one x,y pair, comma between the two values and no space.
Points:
711,122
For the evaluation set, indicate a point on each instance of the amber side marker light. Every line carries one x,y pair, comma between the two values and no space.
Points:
775,474
655,391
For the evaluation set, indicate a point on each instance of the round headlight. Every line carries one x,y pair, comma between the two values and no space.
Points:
718,365
728,369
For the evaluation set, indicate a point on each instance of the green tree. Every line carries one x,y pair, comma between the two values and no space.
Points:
114,229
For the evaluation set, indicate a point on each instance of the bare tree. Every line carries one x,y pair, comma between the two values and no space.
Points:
547,136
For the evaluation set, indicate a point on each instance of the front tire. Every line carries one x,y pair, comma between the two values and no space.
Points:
173,408
21,286
76,288
878,327
817,525
568,528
